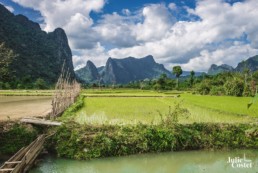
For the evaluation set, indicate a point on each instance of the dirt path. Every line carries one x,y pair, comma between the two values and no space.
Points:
16,107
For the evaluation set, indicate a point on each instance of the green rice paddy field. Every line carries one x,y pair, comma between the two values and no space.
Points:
134,106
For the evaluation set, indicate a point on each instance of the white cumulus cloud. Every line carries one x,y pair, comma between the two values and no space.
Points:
219,32
228,55
197,44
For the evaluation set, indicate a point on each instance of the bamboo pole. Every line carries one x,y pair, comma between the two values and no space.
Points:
66,92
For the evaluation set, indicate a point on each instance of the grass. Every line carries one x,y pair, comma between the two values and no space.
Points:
223,104
26,92
128,107
127,92
119,109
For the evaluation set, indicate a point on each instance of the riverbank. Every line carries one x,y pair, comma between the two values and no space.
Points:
14,136
84,142
77,141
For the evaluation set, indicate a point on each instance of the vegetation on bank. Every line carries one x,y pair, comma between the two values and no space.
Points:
85,142
14,136
76,106
76,141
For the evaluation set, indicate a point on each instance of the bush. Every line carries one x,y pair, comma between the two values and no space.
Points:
247,91
85,142
40,84
217,90
203,88
15,138
234,87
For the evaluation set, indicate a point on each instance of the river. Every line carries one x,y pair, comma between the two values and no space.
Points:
171,162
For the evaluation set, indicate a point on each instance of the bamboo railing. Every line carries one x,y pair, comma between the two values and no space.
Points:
66,92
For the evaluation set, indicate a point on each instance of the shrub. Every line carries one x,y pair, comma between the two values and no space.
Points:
85,142
15,138
203,88
40,84
217,90
234,87
247,91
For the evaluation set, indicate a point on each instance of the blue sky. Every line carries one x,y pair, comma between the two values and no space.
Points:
110,7
190,33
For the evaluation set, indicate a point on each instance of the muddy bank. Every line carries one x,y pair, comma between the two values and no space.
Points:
15,107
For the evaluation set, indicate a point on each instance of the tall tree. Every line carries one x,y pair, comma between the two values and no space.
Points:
177,70
162,81
192,73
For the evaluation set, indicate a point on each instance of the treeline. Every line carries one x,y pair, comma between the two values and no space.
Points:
26,83
8,79
227,83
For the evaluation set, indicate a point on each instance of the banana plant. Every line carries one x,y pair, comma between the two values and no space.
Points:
255,98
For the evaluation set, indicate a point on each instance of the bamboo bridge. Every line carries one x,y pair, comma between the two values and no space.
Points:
23,160
66,92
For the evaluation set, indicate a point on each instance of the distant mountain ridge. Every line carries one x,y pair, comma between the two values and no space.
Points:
39,54
188,73
251,64
121,71
89,73
215,69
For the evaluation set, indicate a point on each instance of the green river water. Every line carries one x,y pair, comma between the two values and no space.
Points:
246,161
